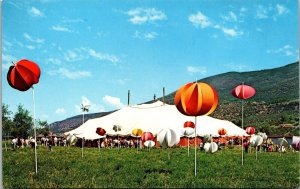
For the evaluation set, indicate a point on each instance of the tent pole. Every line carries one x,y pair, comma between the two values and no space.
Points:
195,146
35,152
128,100
164,95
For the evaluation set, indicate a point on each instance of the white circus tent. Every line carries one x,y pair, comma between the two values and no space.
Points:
152,118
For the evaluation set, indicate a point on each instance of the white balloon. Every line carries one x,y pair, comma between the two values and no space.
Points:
263,135
187,131
168,137
211,147
149,143
256,140
71,139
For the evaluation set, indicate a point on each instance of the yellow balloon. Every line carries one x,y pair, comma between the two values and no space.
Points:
137,132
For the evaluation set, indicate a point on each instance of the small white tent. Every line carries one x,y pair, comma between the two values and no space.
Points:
152,118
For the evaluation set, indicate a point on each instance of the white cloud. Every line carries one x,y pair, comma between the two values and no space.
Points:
35,40
231,16
70,21
281,9
150,35
121,81
261,12
199,19
60,111
61,28
35,12
70,74
7,60
73,55
30,47
286,50
231,32
54,61
86,52
147,35
200,69
259,29
102,56
113,101
141,15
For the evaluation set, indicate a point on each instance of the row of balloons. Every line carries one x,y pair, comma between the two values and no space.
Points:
192,99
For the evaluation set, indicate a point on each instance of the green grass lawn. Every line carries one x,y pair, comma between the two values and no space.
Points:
65,168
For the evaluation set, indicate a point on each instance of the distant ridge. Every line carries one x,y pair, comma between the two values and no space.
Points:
276,101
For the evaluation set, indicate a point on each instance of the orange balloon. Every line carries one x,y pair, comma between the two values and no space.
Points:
222,131
194,99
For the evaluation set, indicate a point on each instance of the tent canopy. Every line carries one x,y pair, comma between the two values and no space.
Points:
152,118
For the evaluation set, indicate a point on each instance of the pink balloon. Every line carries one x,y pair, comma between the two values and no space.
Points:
250,130
243,92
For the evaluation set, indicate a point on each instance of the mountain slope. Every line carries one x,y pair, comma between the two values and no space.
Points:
276,100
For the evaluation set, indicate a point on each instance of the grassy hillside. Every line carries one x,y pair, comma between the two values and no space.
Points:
276,100
74,122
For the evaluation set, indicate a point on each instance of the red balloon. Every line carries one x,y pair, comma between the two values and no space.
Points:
100,131
189,124
194,99
147,136
23,75
243,91
250,130
222,131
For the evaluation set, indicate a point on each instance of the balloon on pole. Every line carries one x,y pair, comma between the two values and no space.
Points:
256,140
243,92
188,129
250,130
210,147
296,143
117,128
196,99
148,139
22,76
168,138
137,133
100,131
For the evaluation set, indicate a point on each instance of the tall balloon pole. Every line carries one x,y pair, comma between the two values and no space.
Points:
243,92
35,152
22,76
195,146
189,100
242,133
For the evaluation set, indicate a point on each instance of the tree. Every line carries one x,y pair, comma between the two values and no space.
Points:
23,122
7,123
43,127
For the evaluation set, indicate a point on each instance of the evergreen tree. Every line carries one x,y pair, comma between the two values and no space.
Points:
23,123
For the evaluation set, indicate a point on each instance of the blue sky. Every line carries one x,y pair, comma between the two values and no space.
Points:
96,51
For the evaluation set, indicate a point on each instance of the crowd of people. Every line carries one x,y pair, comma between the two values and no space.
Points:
133,142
